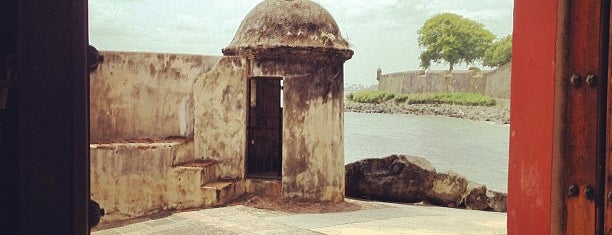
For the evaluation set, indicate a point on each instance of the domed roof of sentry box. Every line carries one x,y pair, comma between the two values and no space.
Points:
287,23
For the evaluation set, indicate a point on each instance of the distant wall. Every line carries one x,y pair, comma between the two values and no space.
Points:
394,82
495,83
498,82
144,95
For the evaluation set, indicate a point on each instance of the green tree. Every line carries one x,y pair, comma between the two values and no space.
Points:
452,38
499,53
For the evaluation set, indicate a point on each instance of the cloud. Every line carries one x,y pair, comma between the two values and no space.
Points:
382,32
156,25
188,22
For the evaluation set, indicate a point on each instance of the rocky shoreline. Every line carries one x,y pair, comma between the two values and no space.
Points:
497,114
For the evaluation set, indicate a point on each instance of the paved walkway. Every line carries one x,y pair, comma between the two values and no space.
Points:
377,218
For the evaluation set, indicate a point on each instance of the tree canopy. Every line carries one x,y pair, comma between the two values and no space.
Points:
454,39
499,53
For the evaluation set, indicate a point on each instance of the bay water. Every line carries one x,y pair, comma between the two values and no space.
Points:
477,150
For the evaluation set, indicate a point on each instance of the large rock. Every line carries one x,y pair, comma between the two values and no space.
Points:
394,178
475,197
448,189
498,202
403,178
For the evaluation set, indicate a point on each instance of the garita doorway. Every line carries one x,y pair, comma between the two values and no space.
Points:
264,130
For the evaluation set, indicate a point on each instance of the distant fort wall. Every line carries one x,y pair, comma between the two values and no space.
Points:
495,83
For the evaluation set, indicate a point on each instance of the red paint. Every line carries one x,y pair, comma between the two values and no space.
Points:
531,128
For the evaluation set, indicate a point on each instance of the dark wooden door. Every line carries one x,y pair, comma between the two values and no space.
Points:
607,179
265,121
585,83
44,129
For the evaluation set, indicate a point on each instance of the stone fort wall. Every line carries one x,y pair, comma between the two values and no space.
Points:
495,83
141,127
137,96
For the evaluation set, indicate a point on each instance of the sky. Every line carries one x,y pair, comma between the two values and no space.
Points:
382,33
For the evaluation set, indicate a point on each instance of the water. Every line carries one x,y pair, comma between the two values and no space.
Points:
477,150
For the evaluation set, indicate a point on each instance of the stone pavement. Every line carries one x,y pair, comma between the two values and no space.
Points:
375,218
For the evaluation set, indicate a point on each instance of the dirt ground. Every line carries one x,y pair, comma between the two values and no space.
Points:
293,206
273,203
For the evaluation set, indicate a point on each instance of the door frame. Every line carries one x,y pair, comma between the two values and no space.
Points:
248,121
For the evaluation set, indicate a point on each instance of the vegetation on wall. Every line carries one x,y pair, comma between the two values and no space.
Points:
470,99
377,97
499,53
453,39
370,97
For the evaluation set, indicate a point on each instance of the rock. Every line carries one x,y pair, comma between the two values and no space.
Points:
498,202
475,197
448,189
403,178
394,178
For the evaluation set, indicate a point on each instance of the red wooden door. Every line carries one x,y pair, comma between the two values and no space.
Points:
585,78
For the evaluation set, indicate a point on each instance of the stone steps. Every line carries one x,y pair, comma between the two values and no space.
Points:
221,192
208,169
269,187
214,192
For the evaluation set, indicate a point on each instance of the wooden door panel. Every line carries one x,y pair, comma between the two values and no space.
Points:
583,212
608,147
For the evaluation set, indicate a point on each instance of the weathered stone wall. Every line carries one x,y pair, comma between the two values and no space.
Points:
394,82
313,127
498,82
143,158
169,131
220,111
495,83
135,179
144,95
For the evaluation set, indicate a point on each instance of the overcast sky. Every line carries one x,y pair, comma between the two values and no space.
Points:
381,32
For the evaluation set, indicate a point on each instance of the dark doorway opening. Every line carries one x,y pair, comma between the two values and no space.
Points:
264,157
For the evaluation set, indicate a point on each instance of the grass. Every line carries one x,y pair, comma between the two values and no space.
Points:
370,97
377,97
470,99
